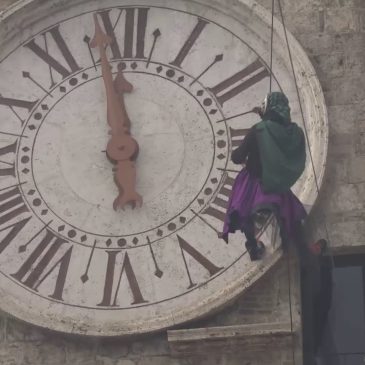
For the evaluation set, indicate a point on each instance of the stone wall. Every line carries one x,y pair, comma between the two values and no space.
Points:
335,44
333,34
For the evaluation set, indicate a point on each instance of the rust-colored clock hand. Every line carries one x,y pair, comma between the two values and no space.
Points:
122,147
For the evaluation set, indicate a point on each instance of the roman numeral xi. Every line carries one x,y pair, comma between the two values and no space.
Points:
64,65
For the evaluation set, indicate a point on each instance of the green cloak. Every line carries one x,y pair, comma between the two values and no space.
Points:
281,145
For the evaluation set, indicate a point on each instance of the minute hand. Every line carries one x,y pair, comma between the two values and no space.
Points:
116,113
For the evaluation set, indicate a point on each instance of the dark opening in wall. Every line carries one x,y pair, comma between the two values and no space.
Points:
333,301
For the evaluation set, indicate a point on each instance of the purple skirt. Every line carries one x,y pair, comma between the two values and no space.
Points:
248,197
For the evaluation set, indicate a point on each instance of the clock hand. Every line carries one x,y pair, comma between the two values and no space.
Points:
121,149
121,86
115,112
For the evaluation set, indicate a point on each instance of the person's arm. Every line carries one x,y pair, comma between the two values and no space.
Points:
240,154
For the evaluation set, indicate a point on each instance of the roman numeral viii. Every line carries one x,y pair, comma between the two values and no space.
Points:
51,254
12,207
45,258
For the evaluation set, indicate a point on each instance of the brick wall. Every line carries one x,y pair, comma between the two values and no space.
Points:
333,34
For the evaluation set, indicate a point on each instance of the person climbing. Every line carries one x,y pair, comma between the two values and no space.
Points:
274,155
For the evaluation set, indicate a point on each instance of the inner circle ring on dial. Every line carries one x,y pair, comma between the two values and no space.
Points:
92,79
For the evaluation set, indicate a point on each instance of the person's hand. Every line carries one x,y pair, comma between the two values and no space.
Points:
257,110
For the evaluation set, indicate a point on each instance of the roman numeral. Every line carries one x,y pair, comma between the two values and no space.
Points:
8,171
244,79
186,48
29,105
33,271
198,257
64,70
218,206
134,33
237,136
17,103
107,300
11,206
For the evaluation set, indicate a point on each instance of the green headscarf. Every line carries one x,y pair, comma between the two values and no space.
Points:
281,145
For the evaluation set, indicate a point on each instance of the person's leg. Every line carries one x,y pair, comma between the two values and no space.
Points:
301,242
249,231
254,249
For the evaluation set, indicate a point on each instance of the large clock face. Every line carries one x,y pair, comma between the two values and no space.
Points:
68,260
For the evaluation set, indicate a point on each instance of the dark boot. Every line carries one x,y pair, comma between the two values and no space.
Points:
255,249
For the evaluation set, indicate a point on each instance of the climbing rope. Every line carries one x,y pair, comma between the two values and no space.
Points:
309,149
304,121
288,259
272,42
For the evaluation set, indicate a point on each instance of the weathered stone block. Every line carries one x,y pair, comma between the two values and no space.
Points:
43,353
156,345
307,20
342,118
356,170
125,362
333,66
80,352
104,360
346,199
115,349
337,172
349,42
346,3
346,236
355,60
362,20
3,320
341,20
319,43
345,90
19,331
341,146
11,354
157,360
360,140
